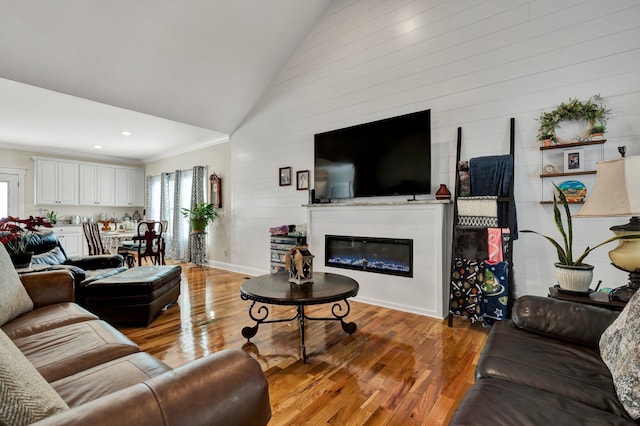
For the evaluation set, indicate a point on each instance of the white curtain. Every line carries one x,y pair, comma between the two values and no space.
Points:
167,194
153,188
166,209
197,196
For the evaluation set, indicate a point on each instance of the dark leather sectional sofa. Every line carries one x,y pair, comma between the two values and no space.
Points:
543,367
85,269
105,286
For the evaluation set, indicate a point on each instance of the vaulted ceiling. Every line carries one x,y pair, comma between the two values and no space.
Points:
178,75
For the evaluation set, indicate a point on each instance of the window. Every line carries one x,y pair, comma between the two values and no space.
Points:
164,199
153,209
12,192
4,199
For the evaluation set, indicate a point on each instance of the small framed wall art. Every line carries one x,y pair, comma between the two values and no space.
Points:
574,160
302,179
285,176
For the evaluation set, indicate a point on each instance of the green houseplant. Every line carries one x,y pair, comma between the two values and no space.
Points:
566,265
51,216
545,135
546,138
200,215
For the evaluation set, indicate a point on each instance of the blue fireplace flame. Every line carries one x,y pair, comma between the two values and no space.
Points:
392,256
364,263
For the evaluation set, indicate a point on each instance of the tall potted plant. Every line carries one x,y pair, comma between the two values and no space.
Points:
200,215
572,274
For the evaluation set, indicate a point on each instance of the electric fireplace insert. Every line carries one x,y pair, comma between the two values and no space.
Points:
392,256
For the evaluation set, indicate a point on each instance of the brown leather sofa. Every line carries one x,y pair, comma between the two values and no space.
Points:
543,367
105,379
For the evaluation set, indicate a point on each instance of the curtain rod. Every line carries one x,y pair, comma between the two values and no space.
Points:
183,170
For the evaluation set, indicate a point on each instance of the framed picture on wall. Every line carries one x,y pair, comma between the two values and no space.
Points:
302,179
574,160
285,176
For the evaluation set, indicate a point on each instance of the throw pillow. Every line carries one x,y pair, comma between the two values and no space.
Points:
26,396
15,300
620,350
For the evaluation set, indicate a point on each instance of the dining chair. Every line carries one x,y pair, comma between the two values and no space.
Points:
149,242
95,246
164,225
92,235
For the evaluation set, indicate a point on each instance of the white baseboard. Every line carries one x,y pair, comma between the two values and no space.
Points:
257,272
237,268
397,307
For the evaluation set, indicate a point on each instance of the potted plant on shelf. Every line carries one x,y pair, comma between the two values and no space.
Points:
15,234
546,138
200,215
573,275
597,131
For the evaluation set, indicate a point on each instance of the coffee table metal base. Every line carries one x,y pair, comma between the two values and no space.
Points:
263,313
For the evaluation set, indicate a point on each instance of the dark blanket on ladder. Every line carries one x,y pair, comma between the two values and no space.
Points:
492,175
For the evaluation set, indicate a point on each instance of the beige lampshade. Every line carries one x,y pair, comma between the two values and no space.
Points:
616,191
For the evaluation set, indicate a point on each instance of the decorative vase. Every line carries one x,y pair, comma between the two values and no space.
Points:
198,225
443,193
574,278
21,260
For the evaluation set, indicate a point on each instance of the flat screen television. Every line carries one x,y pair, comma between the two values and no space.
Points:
381,158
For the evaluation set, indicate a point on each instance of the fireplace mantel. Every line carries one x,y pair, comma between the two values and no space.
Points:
427,222
360,203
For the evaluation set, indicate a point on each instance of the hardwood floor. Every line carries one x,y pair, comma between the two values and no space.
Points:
396,369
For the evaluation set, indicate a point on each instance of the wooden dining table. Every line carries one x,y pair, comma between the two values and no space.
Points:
111,240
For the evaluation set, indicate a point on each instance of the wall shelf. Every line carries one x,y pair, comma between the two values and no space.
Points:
572,144
568,202
555,156
548,175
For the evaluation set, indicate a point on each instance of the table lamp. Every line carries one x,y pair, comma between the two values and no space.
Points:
616,192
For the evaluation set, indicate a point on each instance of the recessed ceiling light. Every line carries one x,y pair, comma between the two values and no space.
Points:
97,146
124,132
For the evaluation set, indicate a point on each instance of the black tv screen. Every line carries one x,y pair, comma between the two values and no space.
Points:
381,158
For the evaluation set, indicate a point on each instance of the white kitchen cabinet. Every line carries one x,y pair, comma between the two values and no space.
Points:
71,238
129,187
97,185
56,182
69,182
137,188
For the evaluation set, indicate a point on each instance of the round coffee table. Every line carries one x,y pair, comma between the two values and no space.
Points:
275,289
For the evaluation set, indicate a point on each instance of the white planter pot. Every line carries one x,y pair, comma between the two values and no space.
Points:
574,278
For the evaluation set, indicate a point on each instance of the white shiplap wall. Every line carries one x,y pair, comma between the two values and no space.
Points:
474,63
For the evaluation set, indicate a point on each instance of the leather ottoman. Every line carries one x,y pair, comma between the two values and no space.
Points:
135,296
